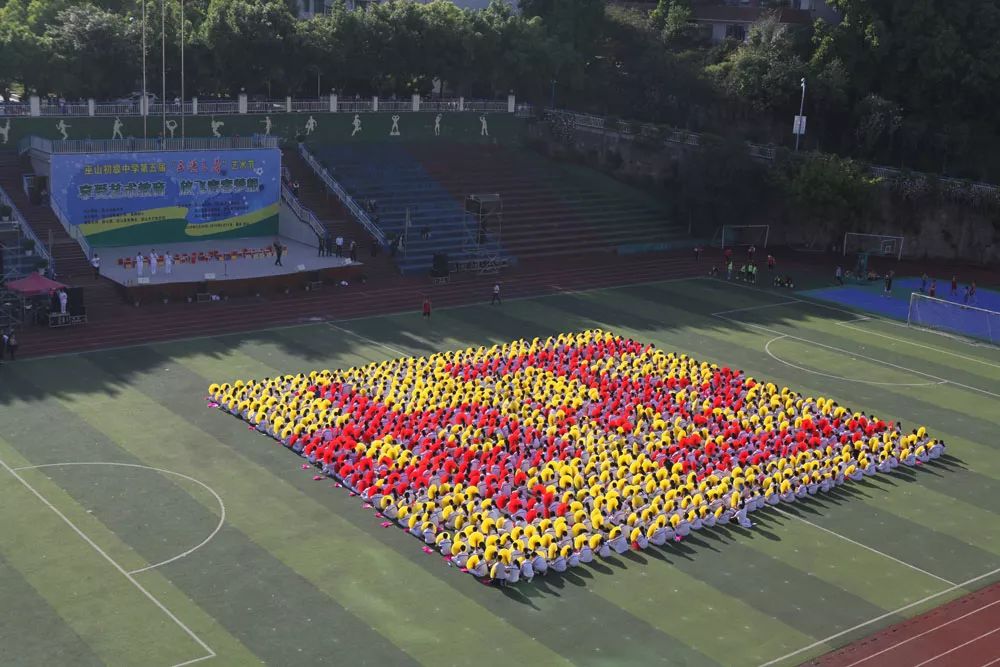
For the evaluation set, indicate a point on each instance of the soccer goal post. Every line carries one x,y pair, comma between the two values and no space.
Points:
879,245
734,236
950,317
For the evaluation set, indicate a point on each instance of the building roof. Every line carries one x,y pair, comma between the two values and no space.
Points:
726,14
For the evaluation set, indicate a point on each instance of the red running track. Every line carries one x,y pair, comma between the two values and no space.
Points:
963,633
125,325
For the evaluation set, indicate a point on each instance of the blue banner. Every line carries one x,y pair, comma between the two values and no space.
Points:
119,199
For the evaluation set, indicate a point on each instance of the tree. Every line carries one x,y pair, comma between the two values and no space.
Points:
878,119
719,183
94,52
253,43
578,23
678,29
829,193
763,74
21,51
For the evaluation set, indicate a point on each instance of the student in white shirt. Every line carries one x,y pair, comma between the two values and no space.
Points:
168,263
153,261
139,263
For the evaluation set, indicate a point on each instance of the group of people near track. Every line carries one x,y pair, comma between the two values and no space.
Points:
537,455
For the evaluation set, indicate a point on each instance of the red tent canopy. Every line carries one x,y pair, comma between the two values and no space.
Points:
34,285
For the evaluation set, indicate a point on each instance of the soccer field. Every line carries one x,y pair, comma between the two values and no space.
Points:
140,527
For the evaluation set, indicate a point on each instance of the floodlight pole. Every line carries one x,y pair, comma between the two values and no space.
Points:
163,63
802,106
182,73
143,108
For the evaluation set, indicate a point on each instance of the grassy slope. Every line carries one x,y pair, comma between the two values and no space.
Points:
300,574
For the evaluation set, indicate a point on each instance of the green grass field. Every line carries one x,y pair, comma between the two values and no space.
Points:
256,563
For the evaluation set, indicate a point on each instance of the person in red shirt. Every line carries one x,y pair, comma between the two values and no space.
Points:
427,308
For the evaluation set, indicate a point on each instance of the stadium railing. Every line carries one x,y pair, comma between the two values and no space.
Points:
336,188
760,151
41,249
303,213
345,104
48,146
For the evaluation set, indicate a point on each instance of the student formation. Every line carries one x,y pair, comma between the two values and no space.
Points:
538,455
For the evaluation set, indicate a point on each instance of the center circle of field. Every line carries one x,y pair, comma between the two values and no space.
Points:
218,499
804,369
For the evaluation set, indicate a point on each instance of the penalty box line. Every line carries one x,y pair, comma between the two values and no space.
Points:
853,354
852,324
190,633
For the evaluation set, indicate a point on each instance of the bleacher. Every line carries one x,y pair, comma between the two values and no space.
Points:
549,209
394,178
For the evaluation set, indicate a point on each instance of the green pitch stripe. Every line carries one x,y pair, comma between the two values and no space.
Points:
565,638
896,350
833,593
150,517
118,624
32,632
335,557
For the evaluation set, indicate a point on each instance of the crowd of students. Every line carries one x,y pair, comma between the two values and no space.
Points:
537,455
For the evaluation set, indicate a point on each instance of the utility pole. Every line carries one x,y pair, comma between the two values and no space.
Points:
801,121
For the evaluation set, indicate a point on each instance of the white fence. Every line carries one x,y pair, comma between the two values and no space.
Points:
244,104
336,188
130,145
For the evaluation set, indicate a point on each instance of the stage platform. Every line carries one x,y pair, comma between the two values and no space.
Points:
230,266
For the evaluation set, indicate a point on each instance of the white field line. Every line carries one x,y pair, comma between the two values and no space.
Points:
962,645
991,662
865,546
760,307
767,348
849,325
859,626
370,340
114,563
941,380
860,318
218,499
925,632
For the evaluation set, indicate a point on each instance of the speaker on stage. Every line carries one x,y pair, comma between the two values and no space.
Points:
75,304
439,267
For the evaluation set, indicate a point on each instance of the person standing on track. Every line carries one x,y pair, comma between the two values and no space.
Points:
888,283
496,295
427,309
972,292
954,285
932,291
770,262
839,275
